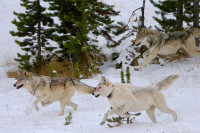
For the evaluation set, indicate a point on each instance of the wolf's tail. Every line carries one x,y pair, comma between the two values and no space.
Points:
165,83
81,87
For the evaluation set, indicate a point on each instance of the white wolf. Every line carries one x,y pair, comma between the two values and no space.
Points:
126,98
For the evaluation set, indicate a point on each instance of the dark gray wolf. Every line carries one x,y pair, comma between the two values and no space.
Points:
166,43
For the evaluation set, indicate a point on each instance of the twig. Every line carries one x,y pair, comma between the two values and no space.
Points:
132,14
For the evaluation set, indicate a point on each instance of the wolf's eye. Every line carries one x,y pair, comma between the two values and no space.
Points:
99,87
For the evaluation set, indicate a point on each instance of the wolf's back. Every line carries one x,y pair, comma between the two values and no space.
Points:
165,83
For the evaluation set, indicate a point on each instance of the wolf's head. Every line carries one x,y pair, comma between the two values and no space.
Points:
104,88
142,37
195,32
23,78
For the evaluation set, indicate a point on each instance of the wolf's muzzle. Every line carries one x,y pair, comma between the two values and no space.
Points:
19,86
97,95
137,44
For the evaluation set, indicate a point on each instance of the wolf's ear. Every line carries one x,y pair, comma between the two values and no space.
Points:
19,72
149,31
27,74
105,81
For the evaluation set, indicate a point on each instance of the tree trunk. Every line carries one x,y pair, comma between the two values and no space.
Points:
196,18
196,13
142,18
180,14
38,30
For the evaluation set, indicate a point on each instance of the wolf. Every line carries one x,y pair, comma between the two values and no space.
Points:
50,89
126,98
166,43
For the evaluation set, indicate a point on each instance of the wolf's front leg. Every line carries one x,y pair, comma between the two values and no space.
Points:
113,111
40,99
151,56
124,112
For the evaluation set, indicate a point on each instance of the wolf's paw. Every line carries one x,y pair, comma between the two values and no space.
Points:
127,115
75,108
36,108
136,69
43,103
61,114
102,123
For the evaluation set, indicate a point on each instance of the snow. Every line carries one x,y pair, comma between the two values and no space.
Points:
18,115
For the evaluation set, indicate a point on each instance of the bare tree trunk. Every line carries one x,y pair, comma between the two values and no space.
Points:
142,18
179,21
196,18
196,13
38,32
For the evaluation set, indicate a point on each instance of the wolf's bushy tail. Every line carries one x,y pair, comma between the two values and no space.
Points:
165,83
81,87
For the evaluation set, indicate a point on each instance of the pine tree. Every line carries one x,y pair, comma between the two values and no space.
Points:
182,10
33,28
78,20
169,7
191,13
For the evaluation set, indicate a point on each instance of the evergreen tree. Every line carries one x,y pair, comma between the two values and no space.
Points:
33,28
182,10
168,8
77,20
191,13
196,13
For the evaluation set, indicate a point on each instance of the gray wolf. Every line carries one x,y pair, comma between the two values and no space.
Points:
166,43
126,98
50,89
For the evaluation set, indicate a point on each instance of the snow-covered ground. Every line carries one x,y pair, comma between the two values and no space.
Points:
18,115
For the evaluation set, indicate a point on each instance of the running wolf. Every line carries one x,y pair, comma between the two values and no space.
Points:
50,89
126,98
166,43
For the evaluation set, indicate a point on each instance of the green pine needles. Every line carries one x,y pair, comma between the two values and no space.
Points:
78,19
181,11
34,27
79,23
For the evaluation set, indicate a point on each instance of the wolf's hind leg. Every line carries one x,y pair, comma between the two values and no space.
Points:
63,102
162,106
151,113
191,48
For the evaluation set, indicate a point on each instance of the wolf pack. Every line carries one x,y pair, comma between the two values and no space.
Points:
123,97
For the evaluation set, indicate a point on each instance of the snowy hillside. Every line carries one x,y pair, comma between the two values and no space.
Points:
18,115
